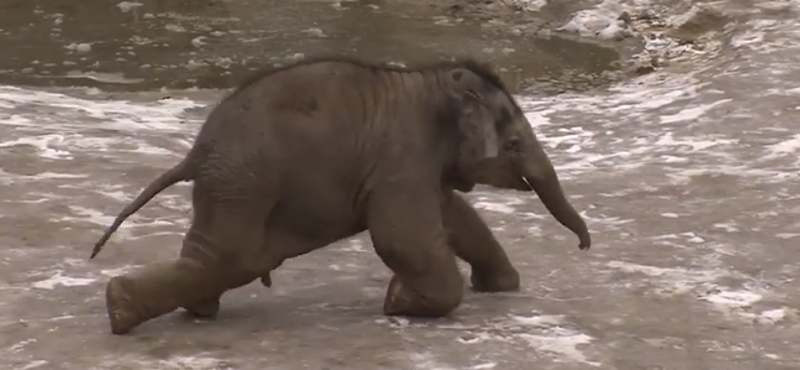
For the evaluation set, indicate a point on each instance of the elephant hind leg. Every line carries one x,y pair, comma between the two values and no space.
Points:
209,308
220,251
160,288
474,242
406,229
277,246
204,309
155,290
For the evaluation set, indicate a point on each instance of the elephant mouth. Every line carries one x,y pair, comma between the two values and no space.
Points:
502,174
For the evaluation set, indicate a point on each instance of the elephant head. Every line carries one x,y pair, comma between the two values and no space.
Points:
498,147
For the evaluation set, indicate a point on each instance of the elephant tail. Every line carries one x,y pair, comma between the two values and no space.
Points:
181,172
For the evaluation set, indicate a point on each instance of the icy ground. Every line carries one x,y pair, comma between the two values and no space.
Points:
689,182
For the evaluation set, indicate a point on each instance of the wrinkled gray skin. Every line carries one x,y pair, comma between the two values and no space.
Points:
303,156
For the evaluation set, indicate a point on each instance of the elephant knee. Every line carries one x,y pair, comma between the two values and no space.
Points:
429,298
449,296
447,302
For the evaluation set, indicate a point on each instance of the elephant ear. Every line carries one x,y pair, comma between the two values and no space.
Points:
478,133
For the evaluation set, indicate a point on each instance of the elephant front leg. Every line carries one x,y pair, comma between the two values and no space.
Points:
474,242
406,229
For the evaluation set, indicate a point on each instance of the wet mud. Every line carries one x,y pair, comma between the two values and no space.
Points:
152,44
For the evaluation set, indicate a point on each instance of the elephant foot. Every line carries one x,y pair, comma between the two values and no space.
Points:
205,309
402,300
120,306
506,281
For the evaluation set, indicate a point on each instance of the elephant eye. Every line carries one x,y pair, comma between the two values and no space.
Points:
512,146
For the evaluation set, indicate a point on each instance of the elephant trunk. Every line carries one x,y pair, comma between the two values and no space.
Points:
539,173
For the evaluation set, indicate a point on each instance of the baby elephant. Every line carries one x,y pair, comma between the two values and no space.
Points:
302,156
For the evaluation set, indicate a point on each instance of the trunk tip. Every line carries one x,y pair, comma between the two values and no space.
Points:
585,242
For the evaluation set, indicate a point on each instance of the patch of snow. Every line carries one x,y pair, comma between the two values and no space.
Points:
692,113
83,47
126,6
732,299
34,364
727,226
18,346
484,366
58,279
539,320
316,32
355,245
773,316
530,5
494,207
116,195
426,361
789,146
562,343
162,115
544,334
602,21
672,281
118,271
41,144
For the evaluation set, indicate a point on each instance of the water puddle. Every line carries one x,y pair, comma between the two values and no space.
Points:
150,44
